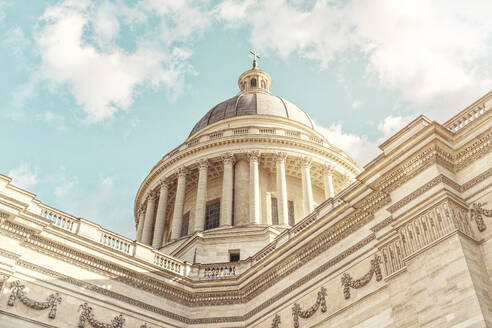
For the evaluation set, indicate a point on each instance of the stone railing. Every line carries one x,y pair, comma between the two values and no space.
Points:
218,271
252,130
114,241
168,263
466,117
59,219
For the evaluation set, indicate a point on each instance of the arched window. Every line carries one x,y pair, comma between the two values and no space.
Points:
253,83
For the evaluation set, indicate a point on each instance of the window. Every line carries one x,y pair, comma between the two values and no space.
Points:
290,204
263,84
274,211
212,214
234,256
253,83
185,224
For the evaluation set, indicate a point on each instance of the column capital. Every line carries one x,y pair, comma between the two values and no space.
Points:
141,210
228,158
163,183
346,179
153,196
280,156
306,161
202,163
328,168
182,171
253,156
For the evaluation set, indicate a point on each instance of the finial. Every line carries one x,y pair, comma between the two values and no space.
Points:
255,55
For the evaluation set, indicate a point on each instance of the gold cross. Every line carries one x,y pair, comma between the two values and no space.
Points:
255,55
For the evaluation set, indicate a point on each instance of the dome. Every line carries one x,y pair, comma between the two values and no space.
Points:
258,103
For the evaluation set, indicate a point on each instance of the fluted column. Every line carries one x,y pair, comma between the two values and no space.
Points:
140,226
149,219
227,190
307,191
178,204
254,188
160,218
201,197
282,208
328,171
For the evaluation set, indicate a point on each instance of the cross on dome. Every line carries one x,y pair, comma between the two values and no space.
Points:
255,55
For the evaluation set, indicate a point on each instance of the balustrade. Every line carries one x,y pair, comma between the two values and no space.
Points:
58,219
119,243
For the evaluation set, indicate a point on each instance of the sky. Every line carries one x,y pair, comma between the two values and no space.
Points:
94,93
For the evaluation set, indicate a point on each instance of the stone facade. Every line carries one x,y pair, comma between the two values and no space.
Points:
406,243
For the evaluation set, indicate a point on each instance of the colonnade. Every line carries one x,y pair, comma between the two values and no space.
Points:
151,218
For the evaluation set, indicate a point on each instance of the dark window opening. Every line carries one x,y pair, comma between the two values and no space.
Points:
234,257
274,211
290,205
212,214
185,224
253,82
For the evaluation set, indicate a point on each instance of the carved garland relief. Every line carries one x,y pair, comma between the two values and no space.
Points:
348,282
320,302
87,315
17,293
476,215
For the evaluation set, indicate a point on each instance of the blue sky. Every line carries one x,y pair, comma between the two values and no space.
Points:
94,93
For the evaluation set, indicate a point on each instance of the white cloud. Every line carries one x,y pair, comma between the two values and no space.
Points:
436,54
392,124
24,176
358,147
15,40
77,42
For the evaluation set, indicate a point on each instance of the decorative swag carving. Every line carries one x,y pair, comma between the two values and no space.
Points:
87,315
297,312
17,293
476,214
348,282
276,321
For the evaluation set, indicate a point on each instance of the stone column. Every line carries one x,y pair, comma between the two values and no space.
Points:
254,188
201,197
282,207
141,218
307,191
328,171
178,204
227,191
149,219
160,218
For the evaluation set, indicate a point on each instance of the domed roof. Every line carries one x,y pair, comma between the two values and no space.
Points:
253,104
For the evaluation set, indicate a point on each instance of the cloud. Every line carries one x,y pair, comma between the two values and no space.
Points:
78,46
392,124
15,40
435,54
106,203
24,176
358,147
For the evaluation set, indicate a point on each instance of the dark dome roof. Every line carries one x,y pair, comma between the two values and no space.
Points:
253,104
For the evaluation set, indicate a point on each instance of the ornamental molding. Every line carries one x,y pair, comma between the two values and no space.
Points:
87,316
477,211
329,169
436,152
305,162
306,314
203,163
17,293
348,282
